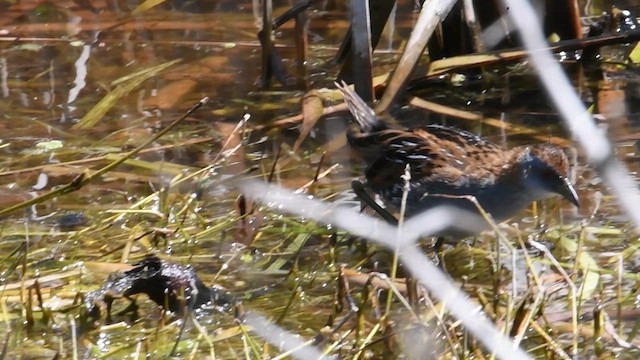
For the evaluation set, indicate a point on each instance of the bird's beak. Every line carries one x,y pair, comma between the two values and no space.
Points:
568,191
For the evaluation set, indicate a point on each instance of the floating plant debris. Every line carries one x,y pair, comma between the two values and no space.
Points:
174,287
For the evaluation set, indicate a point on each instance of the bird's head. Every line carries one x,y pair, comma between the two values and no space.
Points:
545,168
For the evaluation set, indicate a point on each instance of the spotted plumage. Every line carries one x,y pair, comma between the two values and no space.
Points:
452,162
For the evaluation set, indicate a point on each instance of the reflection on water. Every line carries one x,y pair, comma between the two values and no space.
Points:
81,74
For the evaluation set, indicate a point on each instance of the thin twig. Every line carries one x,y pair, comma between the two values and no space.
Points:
406,178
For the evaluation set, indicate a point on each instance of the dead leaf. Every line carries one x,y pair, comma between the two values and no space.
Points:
249,223
123,87
103,267
170,95
380,282
312,110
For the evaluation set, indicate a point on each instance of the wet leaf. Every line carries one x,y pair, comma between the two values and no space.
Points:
225,334
32,350
131,83
28,47
49,145
248,228
249,224
45,281
458,62
144,71
171,94
587,264
380,282
106,267
591,278
293,248
149,4
312,111
635,55
156,166
209,67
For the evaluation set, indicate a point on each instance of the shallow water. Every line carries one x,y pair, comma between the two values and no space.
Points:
58,60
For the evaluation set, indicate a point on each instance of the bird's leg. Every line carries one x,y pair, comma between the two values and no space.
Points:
361,193
438,245
436,248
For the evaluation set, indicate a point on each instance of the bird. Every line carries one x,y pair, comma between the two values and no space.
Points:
448,166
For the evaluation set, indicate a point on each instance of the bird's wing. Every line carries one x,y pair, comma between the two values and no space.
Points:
398,146
387,152
463,150
471,142
433,152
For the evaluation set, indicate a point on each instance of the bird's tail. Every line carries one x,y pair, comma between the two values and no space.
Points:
363,113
